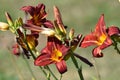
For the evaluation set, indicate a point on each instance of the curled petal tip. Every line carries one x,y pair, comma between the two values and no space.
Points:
61,66
113,30
97,53
9,19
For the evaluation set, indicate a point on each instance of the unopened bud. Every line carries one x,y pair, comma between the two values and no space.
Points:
4,26
71,34
20,21
9,19
58,19
16,49
48,32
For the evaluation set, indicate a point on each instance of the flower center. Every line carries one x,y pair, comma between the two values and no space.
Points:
56,55
36,19
31,41
101,39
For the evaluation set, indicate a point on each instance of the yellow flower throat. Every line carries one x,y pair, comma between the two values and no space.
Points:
101,39
56,55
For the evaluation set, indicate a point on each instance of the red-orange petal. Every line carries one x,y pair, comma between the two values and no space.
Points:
29,9
61,66
106,43
43,60
97,52
113,30
100,27
89,40
94,37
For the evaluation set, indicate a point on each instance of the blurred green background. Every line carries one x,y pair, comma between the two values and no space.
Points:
82,15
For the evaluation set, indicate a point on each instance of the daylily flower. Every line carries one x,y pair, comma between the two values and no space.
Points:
54,52
38,15
98,37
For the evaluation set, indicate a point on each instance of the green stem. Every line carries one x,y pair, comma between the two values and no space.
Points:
61,77
79,70
30,69
51,73
48,76
115,45
25,40
16,67
34,57
43,71
96,69
32,54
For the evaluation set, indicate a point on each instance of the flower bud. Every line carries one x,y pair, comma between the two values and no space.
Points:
48,32
4,26
71,34
9,19
16,49
58,20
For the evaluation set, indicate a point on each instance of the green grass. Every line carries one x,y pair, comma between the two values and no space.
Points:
82,15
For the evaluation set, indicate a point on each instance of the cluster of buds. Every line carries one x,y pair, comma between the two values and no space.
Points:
60,45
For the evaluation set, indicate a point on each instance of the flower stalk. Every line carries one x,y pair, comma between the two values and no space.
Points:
79,69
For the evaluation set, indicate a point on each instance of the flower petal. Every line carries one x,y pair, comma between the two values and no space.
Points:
36,29
32,27
113,30
100,27
61,66
64,50
97,52
40,8
29,9
89,40
48,24
106,43
96,37
43,60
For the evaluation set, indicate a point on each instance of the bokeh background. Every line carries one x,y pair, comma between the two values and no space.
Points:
82,15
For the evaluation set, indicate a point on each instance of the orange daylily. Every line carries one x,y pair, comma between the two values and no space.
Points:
98,37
